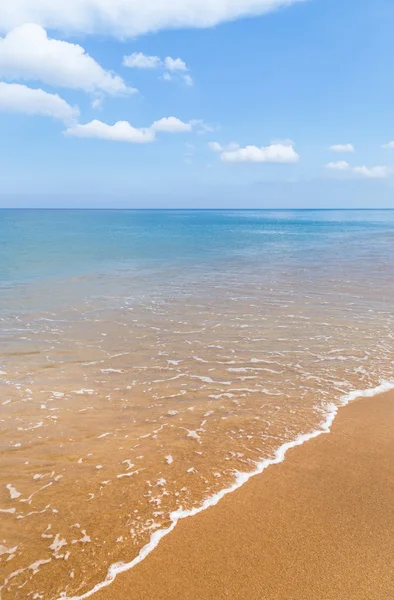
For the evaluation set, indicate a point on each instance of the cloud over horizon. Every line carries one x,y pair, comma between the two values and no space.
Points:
378,172
123,131
279,153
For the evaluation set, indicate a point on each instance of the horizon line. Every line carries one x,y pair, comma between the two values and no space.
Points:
117,208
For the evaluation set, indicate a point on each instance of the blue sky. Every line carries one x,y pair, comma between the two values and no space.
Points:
246,117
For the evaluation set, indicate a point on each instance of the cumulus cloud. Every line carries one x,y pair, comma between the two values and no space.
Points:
340,165
122,131
175,64
389,146
139,60
173,68
274,153
379,172
215,146
342,148
18,98
126,18
171,125
28,53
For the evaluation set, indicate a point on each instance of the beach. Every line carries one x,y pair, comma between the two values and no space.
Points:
196,300
319,525
138,391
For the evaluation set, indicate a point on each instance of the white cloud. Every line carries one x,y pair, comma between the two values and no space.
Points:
122,131
27,53
374,172
215,146
389,146
341,165
22,99
379,172
342,148
274,153
171,125
97,103
174,64
173,68
138,60
201,127
188,79
127,18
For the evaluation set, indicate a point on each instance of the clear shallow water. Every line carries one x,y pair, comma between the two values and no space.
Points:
147,356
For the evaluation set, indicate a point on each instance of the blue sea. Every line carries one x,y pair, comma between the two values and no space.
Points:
151,360
40,244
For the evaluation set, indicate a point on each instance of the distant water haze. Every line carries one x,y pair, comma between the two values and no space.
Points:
316,193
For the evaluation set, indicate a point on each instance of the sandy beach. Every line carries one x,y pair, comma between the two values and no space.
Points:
318,526
136,393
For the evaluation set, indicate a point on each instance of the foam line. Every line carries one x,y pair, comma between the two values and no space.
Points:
240,480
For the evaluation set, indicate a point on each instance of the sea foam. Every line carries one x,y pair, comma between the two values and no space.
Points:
240,479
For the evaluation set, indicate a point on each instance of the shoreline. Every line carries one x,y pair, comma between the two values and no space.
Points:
121,578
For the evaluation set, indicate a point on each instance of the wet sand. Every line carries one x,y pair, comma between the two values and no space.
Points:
319,526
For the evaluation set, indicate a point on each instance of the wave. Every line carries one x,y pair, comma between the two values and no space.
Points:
240,479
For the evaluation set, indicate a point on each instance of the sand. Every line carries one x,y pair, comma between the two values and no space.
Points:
319,526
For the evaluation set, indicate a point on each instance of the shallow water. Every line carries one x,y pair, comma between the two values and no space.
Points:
147,357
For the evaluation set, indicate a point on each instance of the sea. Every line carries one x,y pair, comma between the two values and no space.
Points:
152,361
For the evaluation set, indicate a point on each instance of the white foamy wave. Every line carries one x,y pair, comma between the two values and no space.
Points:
240,479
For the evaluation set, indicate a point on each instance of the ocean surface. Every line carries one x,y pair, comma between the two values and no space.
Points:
152,360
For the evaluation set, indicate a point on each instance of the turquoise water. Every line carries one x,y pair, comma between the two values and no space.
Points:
39,244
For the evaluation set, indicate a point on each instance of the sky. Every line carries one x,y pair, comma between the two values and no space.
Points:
196,103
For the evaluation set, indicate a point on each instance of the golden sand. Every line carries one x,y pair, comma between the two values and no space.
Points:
319,526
